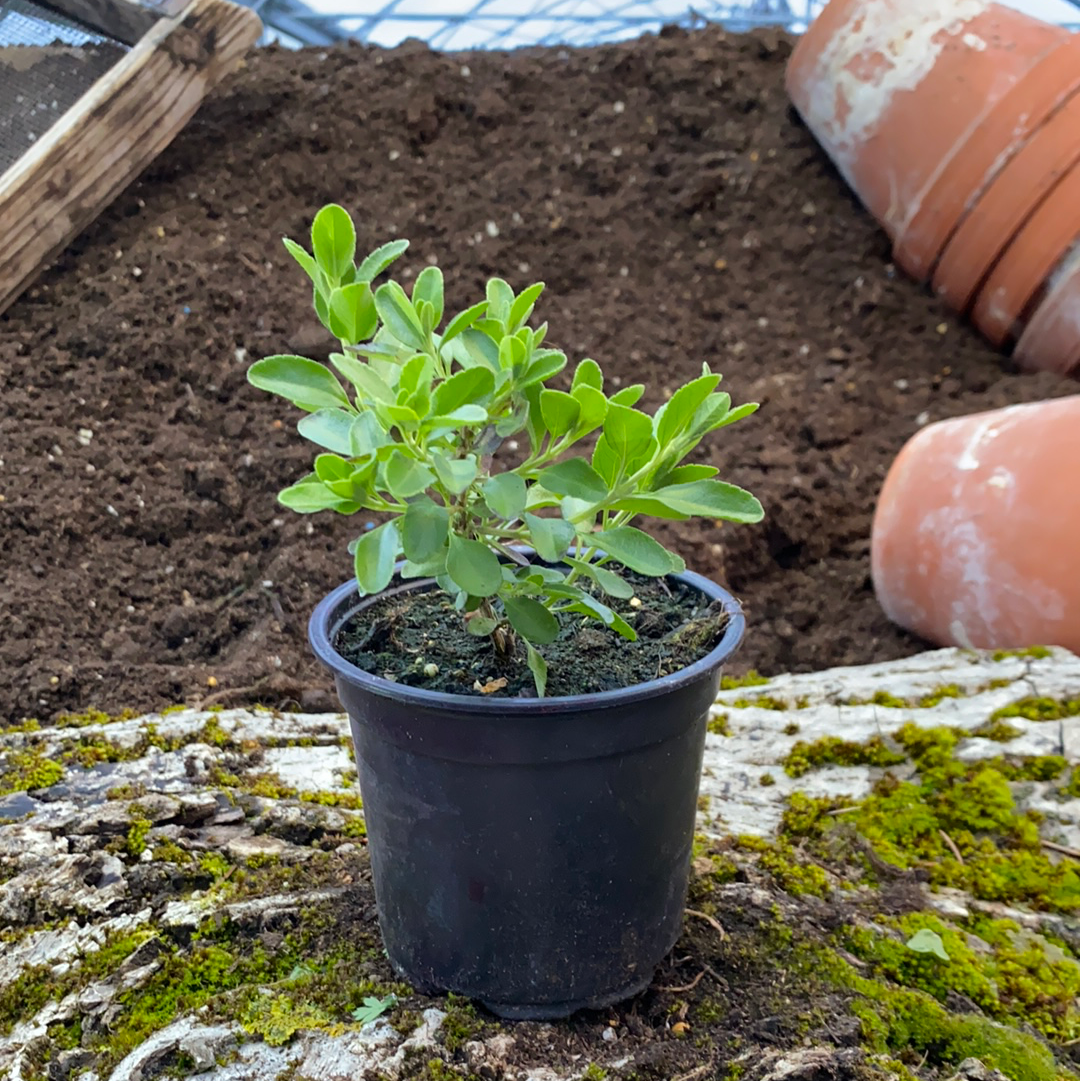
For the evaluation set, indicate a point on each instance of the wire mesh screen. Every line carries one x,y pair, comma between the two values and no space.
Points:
47,63
480,24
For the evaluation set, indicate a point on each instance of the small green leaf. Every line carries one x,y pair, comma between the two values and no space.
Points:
710,499
481,348
523,305
627,431
373,1008
538,667
366,435
462,321
464,415
370,385
374,558
398,314
329,428
560,411
352,313
592,409
682,474
544,364
429,286
551,537
481,625
379,260
511,355
333,240
471,386
675,415
587,374
474,567
310,495
531,619
500,298
455,474
505,494
927,941
311,268
611,583
303,382
425,526
574,477
638,551
406,477
432,569
630,395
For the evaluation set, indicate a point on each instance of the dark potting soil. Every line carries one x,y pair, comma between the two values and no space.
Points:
400,636
678,212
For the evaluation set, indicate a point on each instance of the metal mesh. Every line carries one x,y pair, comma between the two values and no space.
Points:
47,63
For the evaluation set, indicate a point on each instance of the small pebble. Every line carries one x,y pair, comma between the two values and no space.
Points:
635,602
431,670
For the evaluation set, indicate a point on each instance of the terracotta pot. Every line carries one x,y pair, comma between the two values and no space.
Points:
1009,201
991,147
975,534
1051,340
893,89
1028,262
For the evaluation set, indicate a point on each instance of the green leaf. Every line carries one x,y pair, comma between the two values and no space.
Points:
462,321
675,415
732,416
511,355
406,477
612,584
370,385
574,477
379,260
431,569
303,382
416,374
352,313
398,314
429,286
481,625
400,416
471,386
329,428
500,298
682,474
544,364
590,606
425,526
587,374
474,567
374,558
638,551
456,474
927,941
466,414
627,431
534,422
538,667
311,268
551,537
373,1008
523,305
559,410
505,494
630,395
710,499
713,410
332,467
366,435
531,619
592,409
310,495
333,240
647,503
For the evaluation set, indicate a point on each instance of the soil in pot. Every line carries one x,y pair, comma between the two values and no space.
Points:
420,639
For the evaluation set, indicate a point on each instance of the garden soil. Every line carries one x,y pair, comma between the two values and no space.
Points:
679,213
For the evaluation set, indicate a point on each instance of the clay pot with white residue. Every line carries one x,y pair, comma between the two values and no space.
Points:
898,92
976,536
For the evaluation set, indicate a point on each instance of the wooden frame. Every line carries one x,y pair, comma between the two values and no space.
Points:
122,122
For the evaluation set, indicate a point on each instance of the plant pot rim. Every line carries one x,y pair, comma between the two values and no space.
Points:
333,610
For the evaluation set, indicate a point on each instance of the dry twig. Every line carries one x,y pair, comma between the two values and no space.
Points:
952,847
1074,853
711,920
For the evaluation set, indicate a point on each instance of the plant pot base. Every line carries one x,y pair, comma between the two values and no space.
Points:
557,1011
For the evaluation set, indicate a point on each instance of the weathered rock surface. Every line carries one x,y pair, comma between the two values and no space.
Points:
196,841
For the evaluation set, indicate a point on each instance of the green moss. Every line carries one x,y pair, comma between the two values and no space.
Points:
751,679
594,1073
171,852
789,868
1033,652
939,694
93,716
998,729
719,725
28,724
134,843
880,698
126,791
766,780
1042,767
461,1023
791,729
27,770
830,750
763,701
276,1018
1039,709
213,734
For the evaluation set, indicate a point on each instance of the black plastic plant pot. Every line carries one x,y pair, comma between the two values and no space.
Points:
532,854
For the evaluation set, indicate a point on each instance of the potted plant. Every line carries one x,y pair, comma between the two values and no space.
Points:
527,674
